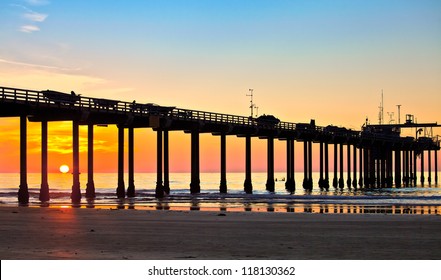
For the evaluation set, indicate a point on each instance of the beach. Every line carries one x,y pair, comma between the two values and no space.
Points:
100,233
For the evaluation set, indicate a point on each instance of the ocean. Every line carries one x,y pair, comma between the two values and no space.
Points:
420,199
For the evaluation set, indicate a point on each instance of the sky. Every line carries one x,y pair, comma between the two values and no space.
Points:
323,60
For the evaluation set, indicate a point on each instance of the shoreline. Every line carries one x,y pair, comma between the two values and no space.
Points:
98,233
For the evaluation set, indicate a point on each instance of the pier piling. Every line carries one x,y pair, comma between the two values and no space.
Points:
270,185
195,175
131,163
120,190
248,186
76,192
166,163
90,185
23,192
159,190
223,163
44,189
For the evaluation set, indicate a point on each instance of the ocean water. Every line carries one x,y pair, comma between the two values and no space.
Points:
420,199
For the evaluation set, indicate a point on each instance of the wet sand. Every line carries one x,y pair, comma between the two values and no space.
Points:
69,233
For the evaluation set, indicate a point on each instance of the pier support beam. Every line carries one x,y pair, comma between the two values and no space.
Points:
429,167
326,183
397,168
335,180
354,180
371,168
383,169
195,175
406,168
76,192
349,180
307,150
290,184
23,192
131,163
159,191
166,164
248,186
270,185
436,166
44,189
321,164
366,167
422,167
413,166
120,190
223,164
341,182
90,186
360,167
378,172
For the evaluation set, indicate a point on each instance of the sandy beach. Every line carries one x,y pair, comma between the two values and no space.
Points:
69,233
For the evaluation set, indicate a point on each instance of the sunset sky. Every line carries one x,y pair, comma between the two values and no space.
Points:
322,60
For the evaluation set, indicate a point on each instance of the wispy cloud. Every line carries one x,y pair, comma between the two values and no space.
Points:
19,63
37,2
32,16
29,29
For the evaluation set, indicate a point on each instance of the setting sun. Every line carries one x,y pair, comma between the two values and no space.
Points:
64,168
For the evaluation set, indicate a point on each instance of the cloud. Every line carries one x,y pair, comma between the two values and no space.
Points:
34,16
31,16
29,28
32,65
37,2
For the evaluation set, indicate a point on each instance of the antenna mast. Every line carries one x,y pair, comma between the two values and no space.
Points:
381,113
399,106
251,101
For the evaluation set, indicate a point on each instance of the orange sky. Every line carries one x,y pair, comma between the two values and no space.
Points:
321,60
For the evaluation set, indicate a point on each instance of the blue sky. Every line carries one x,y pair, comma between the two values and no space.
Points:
313,53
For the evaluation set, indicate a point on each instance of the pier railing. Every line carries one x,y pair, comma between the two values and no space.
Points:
48,98
53,99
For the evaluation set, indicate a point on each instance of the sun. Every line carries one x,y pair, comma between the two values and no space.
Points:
64,168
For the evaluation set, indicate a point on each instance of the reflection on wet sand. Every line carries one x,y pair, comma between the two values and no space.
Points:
196,205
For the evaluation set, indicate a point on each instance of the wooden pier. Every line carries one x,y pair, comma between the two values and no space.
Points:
377,156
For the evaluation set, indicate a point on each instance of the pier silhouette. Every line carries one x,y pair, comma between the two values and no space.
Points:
377,155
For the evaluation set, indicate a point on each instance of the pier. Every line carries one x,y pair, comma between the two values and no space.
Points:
377,156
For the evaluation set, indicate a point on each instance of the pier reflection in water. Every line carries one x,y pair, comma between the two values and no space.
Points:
262,207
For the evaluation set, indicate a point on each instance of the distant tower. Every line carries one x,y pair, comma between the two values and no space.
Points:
398,106
381,113
251,101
